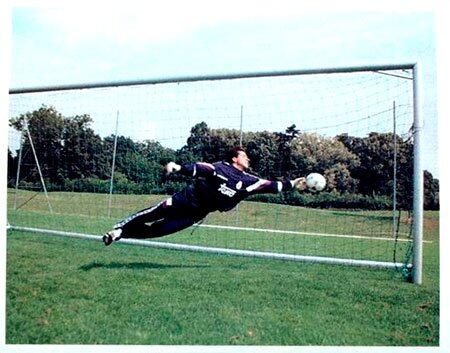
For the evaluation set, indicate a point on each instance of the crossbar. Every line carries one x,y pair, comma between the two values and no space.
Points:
215,77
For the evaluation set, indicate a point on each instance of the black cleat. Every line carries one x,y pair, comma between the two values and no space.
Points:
107,239
112,235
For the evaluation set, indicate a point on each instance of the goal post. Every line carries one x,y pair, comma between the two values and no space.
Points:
418,177
308,117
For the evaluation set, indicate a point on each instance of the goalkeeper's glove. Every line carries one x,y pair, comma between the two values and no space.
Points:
172,167
299,183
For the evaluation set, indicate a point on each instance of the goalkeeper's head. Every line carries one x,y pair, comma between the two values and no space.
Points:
238,158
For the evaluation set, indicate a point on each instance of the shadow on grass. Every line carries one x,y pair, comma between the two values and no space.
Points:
135,266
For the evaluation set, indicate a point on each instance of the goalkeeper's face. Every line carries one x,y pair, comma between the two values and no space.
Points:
241,161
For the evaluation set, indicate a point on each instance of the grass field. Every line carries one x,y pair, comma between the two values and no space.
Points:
64,290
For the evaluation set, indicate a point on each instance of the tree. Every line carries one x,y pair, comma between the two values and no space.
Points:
329,156
46,129
67,148
376,171
125,161
153,156
262,149
84,153
210,145
198,140
12,168
285,161
431,192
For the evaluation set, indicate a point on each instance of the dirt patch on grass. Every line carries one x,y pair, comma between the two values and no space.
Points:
430,224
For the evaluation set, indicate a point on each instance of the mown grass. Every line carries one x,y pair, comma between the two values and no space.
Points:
69,291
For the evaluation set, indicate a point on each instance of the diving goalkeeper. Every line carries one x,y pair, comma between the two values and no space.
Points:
218,186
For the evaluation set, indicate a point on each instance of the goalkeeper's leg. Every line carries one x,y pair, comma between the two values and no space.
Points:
166,218
159,228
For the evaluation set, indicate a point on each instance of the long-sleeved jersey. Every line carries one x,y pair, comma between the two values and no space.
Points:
220,186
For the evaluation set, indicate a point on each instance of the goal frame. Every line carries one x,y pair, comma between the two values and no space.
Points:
417,227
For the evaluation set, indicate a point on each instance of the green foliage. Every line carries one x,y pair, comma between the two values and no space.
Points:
327,200
46,128
376,168
431,194
66,147
87,184
73,157
329,156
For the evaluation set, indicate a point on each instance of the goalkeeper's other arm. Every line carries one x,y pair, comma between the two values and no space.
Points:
198,169
172,167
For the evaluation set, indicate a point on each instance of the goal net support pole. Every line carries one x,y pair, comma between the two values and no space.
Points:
38,167
113,166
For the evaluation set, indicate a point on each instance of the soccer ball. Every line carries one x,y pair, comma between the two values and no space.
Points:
316,182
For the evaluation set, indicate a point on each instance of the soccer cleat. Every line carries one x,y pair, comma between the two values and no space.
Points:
112,235
107,239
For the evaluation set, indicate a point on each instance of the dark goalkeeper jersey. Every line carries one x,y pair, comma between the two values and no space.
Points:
220,186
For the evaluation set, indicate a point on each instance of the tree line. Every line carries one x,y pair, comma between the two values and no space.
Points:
359,170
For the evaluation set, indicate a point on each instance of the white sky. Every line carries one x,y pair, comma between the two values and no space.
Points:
54,45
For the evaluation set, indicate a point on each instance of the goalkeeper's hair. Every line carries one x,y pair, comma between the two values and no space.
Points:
233,153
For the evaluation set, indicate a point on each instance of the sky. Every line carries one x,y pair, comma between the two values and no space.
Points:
57,45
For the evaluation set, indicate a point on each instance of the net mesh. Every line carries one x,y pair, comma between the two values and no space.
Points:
341,125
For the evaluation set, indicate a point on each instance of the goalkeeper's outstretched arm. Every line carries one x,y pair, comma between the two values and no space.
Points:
201,169
263,186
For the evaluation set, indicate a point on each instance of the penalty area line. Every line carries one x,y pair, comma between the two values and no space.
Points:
293,232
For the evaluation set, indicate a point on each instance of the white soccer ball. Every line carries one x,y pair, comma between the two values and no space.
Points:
316,182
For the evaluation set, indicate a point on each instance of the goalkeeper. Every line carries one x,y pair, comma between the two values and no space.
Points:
218,187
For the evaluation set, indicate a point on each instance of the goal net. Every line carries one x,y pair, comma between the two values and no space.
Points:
82,158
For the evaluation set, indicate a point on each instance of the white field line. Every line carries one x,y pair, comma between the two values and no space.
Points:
279,231
305,233
247,253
